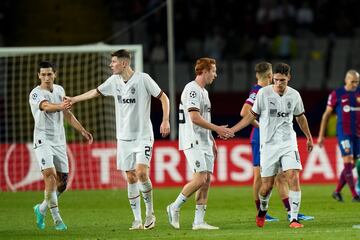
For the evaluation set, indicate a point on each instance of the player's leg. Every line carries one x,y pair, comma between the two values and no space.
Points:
358,173
45,155
50,179
62,169
256,173
256,186
267,183
283,190
134,199
257,179
347,148
293,178
356,144
61,187
145,187
196,160
126,161
291,165
201,198
143,159
269,167
191,187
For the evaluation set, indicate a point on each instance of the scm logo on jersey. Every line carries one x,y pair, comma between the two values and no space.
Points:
282,114
126,100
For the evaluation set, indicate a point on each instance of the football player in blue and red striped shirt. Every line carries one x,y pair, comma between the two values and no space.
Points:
346,103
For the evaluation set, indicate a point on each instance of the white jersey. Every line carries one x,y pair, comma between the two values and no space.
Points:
49,126
132,104
276,116
194,98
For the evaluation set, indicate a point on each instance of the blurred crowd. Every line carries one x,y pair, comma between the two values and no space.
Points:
231,29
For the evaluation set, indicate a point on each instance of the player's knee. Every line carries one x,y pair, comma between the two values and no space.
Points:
63,183
203,179
131,177
142,175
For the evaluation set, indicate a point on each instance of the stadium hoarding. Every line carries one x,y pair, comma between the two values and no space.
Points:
94,166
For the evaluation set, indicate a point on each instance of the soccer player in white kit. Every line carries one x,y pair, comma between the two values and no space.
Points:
49,111
197,142
275,105
132,91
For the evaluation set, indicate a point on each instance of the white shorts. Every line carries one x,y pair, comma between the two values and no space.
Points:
133,152
274,160
52,157
200,160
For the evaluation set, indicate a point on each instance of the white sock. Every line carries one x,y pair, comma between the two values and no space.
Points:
52,201
44,206
147,194
264,202
200,211
295,200
180,200
134,199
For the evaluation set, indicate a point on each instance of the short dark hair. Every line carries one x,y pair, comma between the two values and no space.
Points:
122,53
46,64
282,68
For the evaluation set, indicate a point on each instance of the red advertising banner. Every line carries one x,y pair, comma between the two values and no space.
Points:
94,166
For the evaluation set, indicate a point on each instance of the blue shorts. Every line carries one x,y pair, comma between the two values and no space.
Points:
255,154
349,146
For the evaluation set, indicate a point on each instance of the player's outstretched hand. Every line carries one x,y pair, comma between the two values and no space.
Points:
165,128
88,136
309,145
70,99
320,141
224,132
66,104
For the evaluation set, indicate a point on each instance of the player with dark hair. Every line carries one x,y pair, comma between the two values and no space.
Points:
132,91
49,111
264,76
276,105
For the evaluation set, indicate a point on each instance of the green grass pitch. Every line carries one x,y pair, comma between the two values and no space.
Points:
107,215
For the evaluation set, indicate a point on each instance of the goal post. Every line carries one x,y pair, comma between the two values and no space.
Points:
79,69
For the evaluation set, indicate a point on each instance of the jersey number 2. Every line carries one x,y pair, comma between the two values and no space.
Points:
147,151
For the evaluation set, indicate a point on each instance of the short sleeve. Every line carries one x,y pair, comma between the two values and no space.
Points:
151,86
257,107
299,107
251,99
36,97
193,98
331,102
107,88
62,91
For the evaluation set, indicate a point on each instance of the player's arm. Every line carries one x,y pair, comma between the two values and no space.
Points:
304,126
55,107
214,147
197,119
85,96
245,110
245,121
71,119
165,124
324,121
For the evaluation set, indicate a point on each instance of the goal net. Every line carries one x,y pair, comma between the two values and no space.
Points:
79,69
